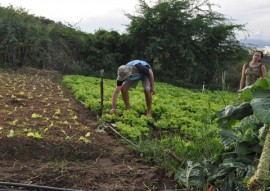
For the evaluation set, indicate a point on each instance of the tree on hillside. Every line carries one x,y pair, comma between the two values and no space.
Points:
107,50
184,39
27,40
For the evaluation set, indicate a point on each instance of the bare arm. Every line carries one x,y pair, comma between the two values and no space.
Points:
243,78
263,68
151,79
114,98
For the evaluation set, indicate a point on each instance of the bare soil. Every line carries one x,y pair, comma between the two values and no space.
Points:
50,139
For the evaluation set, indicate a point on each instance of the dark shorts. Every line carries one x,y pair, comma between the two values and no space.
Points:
133,83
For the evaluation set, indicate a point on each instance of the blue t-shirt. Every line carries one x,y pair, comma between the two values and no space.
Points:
134,62
142,67
137,76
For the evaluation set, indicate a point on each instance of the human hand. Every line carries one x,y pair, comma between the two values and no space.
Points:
153,91
112,111
239,96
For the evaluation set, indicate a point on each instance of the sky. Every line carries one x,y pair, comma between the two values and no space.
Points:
91,15
254,14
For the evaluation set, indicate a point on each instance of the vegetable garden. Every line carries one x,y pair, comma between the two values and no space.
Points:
207,140
211,140
190,134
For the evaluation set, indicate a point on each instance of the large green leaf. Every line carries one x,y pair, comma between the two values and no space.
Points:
235,111
246,93
243,148
268,77
259,85
261,94
261,107
193,176
225,168
228,138
230,114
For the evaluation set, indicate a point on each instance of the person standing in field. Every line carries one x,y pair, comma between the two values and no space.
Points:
128,76
252,70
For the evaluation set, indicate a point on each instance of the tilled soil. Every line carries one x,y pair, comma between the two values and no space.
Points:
50,139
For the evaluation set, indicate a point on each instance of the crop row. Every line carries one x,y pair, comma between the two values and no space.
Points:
173,107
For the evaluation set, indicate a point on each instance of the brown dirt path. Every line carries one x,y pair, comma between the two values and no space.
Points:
43,131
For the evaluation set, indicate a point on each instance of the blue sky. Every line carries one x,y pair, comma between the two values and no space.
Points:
91,15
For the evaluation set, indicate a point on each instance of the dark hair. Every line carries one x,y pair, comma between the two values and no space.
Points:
260,52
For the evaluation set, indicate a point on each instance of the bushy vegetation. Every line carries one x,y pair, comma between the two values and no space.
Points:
184,41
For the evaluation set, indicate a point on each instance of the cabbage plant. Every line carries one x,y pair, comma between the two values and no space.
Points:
256,102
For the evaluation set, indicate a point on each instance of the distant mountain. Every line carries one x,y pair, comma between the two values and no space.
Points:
259,43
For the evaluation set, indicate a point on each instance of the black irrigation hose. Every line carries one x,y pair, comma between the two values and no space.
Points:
130,142
101,93
33,186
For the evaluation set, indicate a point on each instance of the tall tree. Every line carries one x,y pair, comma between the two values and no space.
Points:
184,39
107,50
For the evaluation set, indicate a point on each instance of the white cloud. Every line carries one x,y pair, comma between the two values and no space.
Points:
105,14
254,14
266,50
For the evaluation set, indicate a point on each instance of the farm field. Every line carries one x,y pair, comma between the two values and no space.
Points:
174,108
181,134
48,138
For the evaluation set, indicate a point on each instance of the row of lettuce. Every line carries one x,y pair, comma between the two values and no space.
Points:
183,135
173,107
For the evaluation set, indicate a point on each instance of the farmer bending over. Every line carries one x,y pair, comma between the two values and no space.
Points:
128,76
